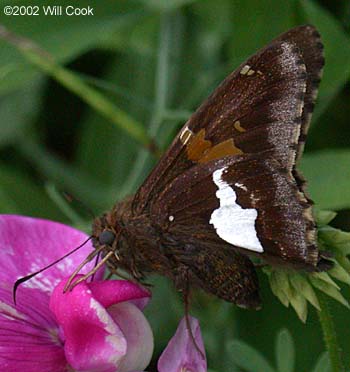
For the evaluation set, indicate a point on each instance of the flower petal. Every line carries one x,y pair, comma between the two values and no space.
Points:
114,291
181,353
38,243
28,334
138,336
94,339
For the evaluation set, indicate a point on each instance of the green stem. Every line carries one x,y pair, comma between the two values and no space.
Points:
75,84
329,335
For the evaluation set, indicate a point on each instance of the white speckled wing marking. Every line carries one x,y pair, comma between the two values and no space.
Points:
233,223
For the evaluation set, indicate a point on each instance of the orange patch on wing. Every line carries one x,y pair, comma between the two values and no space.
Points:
200,150
197,146
220,150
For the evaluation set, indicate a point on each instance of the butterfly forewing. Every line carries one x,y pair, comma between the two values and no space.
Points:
308,41
259,107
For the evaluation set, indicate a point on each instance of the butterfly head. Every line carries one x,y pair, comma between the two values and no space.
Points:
107,237
106,234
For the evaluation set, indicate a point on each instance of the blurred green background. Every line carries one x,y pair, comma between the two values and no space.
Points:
157,60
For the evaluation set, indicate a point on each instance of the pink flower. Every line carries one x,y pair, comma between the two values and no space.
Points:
103,326
181,354
98,326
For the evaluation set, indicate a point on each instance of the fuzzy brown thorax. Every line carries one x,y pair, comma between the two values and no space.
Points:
136,242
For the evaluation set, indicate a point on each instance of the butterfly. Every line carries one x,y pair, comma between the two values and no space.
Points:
227,189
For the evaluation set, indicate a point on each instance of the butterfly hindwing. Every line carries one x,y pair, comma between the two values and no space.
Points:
246,203
222,272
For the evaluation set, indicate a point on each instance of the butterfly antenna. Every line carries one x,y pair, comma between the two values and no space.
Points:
186,296
19,281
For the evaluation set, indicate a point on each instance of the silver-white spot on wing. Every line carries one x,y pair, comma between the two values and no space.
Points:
233,223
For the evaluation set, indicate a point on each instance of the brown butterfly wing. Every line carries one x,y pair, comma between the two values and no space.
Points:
251,130
309,43
186,210
221,271
259,107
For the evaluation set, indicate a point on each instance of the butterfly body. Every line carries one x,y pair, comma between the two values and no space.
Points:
228,187
143,247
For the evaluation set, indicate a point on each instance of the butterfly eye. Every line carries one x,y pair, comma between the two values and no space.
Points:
106,237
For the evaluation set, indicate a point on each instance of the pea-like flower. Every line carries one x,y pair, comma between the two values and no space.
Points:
98,326
182,354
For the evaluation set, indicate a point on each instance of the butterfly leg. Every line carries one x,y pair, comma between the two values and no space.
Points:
182,284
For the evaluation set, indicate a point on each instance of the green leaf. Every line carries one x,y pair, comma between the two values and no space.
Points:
328,289
301,285
276,288
299,304
322,364
344,262
283,281
285,351
328,175
323,217
247,357
338,239
338,272
326,278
